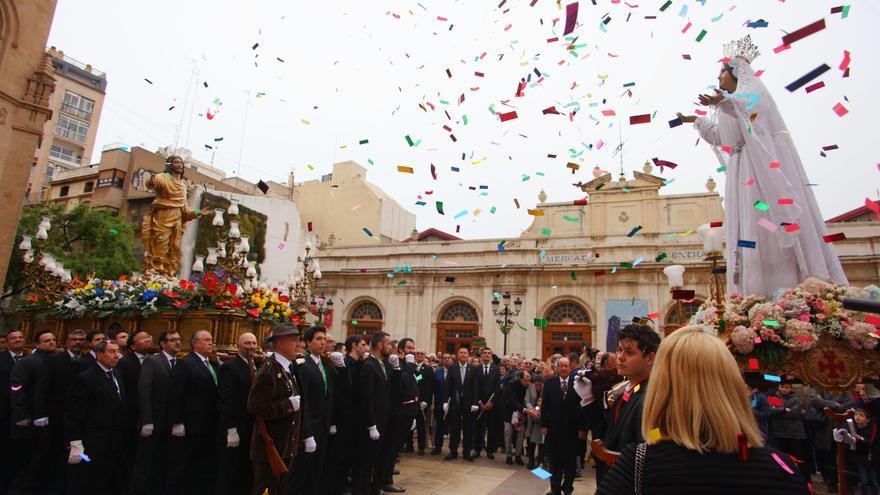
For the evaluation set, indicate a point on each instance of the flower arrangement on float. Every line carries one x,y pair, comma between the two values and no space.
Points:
792,320
142,297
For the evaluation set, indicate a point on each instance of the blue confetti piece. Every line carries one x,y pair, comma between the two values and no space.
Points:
455,169
85,457
542,254
638,260
541,473
747,244
420,203
773,378
757,24
484,187
631,84
634,231
367,231
460,214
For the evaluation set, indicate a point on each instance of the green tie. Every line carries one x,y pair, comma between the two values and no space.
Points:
211,369
382,365
324,375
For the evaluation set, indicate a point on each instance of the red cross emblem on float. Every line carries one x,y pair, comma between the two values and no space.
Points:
831,365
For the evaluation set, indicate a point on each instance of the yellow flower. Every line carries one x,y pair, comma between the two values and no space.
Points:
275,315
89,287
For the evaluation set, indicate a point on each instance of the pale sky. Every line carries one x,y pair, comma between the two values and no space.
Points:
358,70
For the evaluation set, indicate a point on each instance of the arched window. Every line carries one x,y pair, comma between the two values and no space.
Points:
566,312
674,317
366,310
459,311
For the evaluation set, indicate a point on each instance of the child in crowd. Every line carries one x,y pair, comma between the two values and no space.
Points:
864,443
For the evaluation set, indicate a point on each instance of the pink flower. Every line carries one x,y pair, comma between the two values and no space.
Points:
804,317
775,338
820,316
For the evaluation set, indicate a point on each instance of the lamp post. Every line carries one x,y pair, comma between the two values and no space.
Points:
321,306
505,314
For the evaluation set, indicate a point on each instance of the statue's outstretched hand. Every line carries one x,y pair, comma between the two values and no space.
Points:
715,99
687,119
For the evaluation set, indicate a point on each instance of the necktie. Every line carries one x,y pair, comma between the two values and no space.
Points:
485,370
113,382
463,371
16,358
211,369
172,360
564,384
323,374
290,369
384,372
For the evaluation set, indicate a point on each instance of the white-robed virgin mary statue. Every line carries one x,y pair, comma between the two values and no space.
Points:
767,201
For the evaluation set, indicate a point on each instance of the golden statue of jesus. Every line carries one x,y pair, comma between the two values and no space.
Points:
162,228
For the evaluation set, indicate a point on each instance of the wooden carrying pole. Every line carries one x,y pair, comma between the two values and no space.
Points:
839,418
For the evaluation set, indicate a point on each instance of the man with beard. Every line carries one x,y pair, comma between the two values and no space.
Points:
154,388
87,360
26,433
235,475
372,421
129,369
275,404
50,401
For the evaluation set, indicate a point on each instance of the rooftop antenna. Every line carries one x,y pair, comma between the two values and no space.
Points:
189,88
618,150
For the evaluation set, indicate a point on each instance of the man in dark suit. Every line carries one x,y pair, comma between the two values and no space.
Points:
636,348
488,394
461,388
345,409
193,415
234,473
375,403
9,463
439,399
30,432
560,423
94,425
317,413
275,403
404,408
334,474
87,360
153,391
50,402
425,381
129,370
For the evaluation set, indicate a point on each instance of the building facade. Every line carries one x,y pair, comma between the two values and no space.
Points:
581,271
27,82
69,136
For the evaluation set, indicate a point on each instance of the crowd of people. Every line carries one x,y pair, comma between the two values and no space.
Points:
311,415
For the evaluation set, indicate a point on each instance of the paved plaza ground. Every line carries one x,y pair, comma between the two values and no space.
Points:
431,475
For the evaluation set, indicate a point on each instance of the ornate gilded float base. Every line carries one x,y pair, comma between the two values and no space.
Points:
225,327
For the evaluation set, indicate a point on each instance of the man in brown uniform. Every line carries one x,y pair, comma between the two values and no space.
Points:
275,400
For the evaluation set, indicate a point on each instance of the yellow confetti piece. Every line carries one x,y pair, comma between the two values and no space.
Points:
310,167
477,212
655,436
404,169
685,234
304,121
536,213
475,163
343,146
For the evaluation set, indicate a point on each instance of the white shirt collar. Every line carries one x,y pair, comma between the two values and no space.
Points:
106,370
140,356
283,361
316,359
71,354
94,355
169,357
203,358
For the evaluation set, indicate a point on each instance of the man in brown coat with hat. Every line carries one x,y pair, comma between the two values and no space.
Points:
275,402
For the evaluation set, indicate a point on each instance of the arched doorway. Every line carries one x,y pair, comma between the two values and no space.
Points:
676,319
568,328
457,327
365,319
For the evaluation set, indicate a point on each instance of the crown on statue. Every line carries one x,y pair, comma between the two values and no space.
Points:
743,48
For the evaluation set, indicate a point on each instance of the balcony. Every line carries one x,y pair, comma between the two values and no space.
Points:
68,134
61,174
76,112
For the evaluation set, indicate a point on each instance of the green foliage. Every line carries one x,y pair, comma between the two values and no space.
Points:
86,240
251,223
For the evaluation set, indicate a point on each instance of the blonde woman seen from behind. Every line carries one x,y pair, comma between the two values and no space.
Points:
702,435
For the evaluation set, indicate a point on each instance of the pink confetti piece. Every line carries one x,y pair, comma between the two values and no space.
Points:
774,164
781,463
840,110
767,224
781,48
749,182
686,27
281,246
814,87
846,60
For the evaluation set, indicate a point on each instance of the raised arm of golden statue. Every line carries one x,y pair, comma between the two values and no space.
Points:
162,228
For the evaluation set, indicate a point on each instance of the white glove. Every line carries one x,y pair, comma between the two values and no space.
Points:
232,439
394,361
475,409
410,358
842,436
147,430
514,420
374,433
24,422
76,448
445,407
311,446
178,430
424,405
584,388
332,429
41,422
294,400
337,358
413,427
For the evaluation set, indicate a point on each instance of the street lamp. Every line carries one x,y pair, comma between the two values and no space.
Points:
505,314
320,306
